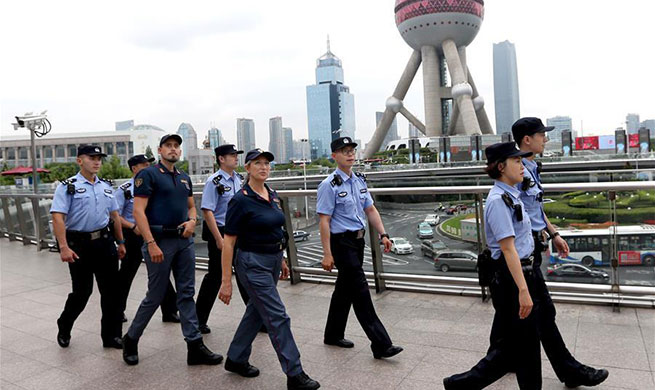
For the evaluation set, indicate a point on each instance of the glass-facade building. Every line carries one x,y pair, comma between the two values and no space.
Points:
506,87
215,137
189,139
276,139
245,136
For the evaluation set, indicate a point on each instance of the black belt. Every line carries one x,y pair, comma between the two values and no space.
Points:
527,264
262,248
166,232
94,235
356,234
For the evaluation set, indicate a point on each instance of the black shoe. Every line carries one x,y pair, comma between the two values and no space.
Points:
447,383
243,369
130,350
387,353
301,381
172,317
63,340
124,318
204,329
343,343
115,342
587,376
198,353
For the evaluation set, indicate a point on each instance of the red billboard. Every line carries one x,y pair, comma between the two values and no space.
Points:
633,140
586,143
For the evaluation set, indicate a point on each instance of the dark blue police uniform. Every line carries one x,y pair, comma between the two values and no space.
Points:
257,223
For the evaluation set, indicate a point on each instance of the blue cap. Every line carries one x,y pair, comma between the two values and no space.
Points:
90,150
255,153
504,150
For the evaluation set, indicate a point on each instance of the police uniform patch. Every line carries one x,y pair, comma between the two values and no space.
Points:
186,183
216,180
363,190
138,181
342,194
228,188
108,191
81,190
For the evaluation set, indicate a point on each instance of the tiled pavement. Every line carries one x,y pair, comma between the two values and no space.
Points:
441,334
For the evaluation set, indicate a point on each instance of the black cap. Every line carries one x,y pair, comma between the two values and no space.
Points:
90,150
528,126
342,143
253,154
226,149
169,136
504,150
139,159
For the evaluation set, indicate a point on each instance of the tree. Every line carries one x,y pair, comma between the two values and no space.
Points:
149,152
60,171
182,166
114,169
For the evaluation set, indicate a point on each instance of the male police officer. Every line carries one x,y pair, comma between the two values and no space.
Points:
343,205
81,211
166,216
219,189
133,242
530,135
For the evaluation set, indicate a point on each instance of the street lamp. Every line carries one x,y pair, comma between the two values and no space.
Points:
304,174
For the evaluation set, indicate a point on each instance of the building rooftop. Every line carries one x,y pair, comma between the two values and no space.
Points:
441,334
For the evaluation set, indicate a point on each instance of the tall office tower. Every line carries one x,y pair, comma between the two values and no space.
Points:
330,106
561,123
392,134
215,137
632,123
301,150
287,136
124,125
189,139
506,87
414,132
245,136
650,125
276,139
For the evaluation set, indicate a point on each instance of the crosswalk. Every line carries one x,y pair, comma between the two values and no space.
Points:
394,214
310,255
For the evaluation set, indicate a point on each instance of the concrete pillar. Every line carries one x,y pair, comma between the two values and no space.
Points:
478,104
461,89
394,104
431,97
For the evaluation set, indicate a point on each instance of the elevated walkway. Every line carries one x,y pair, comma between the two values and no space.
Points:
442,335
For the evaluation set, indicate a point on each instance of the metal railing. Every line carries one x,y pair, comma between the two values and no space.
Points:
25,217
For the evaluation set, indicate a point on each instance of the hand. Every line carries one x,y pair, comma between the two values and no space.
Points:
225,293
562,247
189,227
327,263
387,245
285,270
136,230
67,255
219,244
121,251
156,255
525,304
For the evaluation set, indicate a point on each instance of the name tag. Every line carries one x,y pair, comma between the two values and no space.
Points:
363,190
342,194
81,190
110,192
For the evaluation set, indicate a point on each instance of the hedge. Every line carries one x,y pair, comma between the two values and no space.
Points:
597,215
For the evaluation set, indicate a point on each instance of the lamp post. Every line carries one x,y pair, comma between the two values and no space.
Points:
304,174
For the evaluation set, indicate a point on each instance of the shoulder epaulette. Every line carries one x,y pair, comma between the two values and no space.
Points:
70,180
70,187
125,185
239,175
217,179
361,175
539,166
336,180
108,181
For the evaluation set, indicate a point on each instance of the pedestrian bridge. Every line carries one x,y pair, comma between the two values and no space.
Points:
441,334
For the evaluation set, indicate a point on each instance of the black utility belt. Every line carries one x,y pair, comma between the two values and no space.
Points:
262,248
356,234
97,234
160,231
526,264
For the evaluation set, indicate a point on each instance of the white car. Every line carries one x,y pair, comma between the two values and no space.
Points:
401,246
432,219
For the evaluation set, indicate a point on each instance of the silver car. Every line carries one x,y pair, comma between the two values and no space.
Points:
456,259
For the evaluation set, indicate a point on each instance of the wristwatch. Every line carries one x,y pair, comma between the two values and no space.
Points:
553,235
120,242
384,235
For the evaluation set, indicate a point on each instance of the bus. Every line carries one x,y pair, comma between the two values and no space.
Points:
636,246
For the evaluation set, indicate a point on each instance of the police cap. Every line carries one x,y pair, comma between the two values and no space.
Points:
528,126
90,150
342,143
504,150
255,153
139,159
169,136
226,149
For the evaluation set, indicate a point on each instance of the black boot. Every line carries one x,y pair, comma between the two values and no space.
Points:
171,317
587,376
243,369
204,329
198,353
301,381
130,350
114,342
386,353
63,335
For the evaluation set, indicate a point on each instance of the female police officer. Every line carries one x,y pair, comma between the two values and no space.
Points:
255,218
509,238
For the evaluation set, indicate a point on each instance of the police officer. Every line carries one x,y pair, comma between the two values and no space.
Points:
166,216
509,237
530,135
82,209
133,242
254,223
219,189
343,205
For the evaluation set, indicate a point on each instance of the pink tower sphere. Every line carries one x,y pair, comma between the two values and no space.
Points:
430,22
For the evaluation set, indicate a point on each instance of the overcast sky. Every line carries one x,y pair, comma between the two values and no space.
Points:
210,62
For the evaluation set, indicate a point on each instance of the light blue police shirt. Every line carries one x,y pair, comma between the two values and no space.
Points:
345,203
533,206
88,209
500,222
211,200
125,206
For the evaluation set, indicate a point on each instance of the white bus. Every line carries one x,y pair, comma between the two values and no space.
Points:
636,246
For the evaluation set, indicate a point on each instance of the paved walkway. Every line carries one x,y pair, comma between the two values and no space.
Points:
441,334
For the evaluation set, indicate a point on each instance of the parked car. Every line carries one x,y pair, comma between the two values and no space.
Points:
425,230
548,200
431,248
401,246
576,271
451,211
432,219
456,259
300,235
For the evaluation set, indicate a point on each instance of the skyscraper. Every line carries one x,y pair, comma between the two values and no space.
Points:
245,136
414,132
632,123
276,138
561,123
189,139
650,125
330,106
287,134
392,134
506,86
215,137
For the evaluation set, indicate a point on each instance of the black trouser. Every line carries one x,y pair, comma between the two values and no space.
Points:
351,288
130,265
516,342
96,257
212,280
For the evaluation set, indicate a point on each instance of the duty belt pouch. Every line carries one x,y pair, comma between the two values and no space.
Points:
485,268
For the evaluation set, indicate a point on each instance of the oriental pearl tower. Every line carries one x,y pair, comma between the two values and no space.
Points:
438,31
